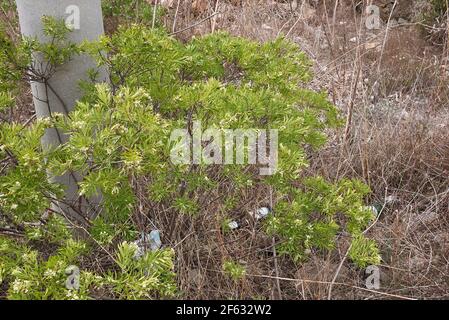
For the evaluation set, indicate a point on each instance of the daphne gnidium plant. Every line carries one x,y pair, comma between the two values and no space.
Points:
119,140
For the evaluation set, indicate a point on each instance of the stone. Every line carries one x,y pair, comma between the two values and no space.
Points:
371,45
307,11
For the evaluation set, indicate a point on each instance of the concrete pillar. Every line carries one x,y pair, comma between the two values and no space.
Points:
62,92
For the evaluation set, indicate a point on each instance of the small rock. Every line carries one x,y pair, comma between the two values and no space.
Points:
428,218
371,45
266,27
199,7
294,4
307,11
167,3
391,199
418,263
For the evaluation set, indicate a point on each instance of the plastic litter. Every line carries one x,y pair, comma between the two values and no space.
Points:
233,225
260,213
377,208
373,209
150,241
391,199
155,240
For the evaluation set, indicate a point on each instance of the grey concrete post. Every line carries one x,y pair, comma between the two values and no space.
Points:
62,91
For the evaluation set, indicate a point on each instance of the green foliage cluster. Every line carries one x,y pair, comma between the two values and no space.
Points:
16,61
234,270
439,9
298,223
7,5
119,136
32,277
436,21
138,11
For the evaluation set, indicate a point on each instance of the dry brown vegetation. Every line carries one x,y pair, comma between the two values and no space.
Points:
392,84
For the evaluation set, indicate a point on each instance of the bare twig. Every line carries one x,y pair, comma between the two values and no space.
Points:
175,19
214,20
195,24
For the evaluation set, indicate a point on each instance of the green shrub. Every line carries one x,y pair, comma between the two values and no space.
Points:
309,219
